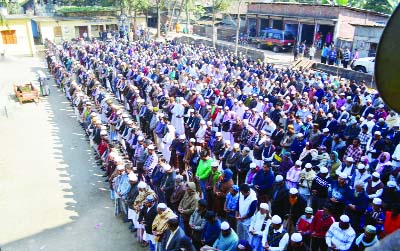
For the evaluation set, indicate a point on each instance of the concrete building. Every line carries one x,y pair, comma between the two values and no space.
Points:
16,35
305,21
366,39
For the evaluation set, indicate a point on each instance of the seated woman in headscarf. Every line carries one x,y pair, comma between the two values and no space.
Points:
333,164
221,188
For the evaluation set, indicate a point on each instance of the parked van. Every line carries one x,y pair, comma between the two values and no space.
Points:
277,40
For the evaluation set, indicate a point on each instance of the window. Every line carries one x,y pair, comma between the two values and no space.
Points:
9,37
277,36
57,31
270,34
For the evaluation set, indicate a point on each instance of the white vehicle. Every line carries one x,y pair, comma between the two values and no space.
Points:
366,65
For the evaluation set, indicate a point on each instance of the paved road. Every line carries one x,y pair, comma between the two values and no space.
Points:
52,194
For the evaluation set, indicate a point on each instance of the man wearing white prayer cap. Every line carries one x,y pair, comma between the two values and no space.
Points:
259,222
279,197
296,242
275,237
228,239
340,235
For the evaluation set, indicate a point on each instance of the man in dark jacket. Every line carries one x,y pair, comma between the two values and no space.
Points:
340,195
173,236
244,165
263,183
147,215
218,147
131,197
280,195
359,204
167,184
295,206
319,189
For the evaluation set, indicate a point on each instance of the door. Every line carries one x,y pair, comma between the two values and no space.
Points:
307,33
82,31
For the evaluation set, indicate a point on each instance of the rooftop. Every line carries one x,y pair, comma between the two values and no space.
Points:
324,5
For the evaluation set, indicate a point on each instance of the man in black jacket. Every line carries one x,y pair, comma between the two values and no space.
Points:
146,217
218,147
280,195
244,165
131,197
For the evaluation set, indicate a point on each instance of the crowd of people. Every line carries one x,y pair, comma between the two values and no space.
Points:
205,150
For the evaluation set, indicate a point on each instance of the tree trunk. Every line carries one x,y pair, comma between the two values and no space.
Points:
171,17
158,20
237,29
187,17
180,10
134,23
214,36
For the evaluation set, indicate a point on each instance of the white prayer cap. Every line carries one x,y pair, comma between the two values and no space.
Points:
350,159
377,133
226,108
140,138
293,190
132,177
298,163
377,201
376,175
236,145
218,134
192,140
166,167
182,136
344,218
179,177
245,122
263,132
342,175
278,178
162,206
253,165
202,122
296,237
308,165
308,210
330,115
120,167
191,110
209,123
325,130
360,166
214,164
323,170
103,127
246,149
151,147
225,226
103,133
142,185
300,135
117,158
264,206
391,183
228,142
276,219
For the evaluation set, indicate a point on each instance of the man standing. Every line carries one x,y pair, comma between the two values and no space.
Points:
244,165
203,171
275,238
245,209
146,217
320,224
187,205
227,240
280,195
151,162
340,235
173,236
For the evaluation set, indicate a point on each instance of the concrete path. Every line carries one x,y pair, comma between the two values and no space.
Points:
52,194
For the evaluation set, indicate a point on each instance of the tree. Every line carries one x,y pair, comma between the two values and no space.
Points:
218,6
384,6
137,6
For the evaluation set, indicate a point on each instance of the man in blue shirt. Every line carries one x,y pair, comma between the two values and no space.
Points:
211,229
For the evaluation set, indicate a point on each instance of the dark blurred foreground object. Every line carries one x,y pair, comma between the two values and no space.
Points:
389,243
387,66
